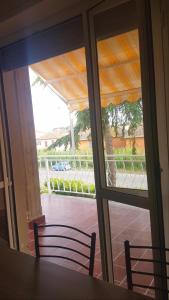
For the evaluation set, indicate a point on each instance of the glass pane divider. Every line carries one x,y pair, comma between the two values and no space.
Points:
124,198
103,218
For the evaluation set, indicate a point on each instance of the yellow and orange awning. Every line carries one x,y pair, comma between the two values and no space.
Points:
119,72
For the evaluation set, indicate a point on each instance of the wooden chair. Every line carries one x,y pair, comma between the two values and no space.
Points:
90,245
160,276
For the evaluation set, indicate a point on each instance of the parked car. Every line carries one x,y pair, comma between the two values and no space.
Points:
61,166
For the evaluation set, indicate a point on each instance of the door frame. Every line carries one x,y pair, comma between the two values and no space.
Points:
154,200
7,183
102,194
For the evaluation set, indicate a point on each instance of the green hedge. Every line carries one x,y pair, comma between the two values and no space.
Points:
75,163
129,163
72,186
123,163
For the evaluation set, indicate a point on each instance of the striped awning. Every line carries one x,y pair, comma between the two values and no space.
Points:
119,72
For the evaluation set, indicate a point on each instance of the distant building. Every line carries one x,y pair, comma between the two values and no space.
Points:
85,142
117,142
44,140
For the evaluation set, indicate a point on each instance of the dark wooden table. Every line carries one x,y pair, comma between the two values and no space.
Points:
22,277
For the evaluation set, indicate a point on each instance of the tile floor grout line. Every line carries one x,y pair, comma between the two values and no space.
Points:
140,217
125,229
133,267
122,251
147,290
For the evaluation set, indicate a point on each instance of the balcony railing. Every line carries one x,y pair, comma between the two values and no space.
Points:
74,174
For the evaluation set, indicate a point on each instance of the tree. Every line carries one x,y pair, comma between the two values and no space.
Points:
115,119
82,124
109,121
132,115
38,81
66,140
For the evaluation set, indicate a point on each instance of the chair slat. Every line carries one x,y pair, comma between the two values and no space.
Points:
65,226
63,237
90,246
130,271
67,258
65,248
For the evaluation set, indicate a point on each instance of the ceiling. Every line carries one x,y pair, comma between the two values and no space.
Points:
22,18
10,8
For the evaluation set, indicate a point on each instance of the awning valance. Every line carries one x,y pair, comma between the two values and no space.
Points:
119,72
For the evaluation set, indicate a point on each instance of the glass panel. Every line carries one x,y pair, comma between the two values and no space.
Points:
122,109
65,155
133,224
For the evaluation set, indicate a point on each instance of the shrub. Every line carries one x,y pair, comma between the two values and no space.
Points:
92,189
43,189
70,186
124,162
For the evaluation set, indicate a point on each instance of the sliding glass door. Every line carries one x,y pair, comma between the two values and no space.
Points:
122,105
46,88
112,88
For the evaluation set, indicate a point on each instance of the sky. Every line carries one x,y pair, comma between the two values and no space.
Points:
49,110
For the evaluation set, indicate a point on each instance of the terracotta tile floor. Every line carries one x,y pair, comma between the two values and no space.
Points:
127,222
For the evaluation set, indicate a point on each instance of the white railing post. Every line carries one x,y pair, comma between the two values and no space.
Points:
128,174
48,176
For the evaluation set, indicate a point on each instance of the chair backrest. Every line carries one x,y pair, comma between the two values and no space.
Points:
160,277
91,245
